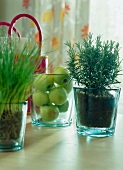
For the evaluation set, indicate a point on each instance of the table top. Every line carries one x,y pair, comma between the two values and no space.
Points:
64,149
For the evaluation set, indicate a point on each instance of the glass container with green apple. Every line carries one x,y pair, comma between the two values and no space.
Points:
52,99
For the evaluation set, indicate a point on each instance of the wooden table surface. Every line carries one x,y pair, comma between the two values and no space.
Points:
64,149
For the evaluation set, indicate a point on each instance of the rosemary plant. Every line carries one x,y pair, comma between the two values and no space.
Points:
94,63
16,72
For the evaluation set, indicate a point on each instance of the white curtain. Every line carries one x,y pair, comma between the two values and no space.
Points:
106,19
61,21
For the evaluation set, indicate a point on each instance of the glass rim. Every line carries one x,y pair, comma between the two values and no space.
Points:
89,88
51,74
25,102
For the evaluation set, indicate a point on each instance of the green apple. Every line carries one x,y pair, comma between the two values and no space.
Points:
43,82
40,98
58,95
69,86
61,75
64,107
49,113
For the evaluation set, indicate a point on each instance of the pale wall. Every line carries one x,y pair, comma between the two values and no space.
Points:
10,8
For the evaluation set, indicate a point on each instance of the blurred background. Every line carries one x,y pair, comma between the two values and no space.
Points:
66,20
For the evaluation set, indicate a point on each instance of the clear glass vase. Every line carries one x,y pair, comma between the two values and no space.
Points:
96,111
51,103
12,126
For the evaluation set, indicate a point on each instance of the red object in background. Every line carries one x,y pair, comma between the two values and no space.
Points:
42,68
26,3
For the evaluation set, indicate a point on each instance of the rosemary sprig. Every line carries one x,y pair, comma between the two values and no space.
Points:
94,63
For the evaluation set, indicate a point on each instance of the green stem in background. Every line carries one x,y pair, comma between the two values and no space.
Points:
8,25
33,19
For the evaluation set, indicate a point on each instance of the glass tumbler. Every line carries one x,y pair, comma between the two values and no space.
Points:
52,103
12,126
96,111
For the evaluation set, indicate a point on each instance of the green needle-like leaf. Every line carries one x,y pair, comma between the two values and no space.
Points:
16,70
94,63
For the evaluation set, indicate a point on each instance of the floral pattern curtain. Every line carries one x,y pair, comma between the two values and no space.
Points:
60,21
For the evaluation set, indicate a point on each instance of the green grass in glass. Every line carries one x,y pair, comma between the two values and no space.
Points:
16,77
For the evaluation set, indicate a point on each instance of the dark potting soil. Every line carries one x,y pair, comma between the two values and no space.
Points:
10,125
95,111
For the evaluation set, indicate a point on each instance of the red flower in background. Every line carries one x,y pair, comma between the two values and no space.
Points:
26,3
67,8
36,38
84,31
53,10
55,42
